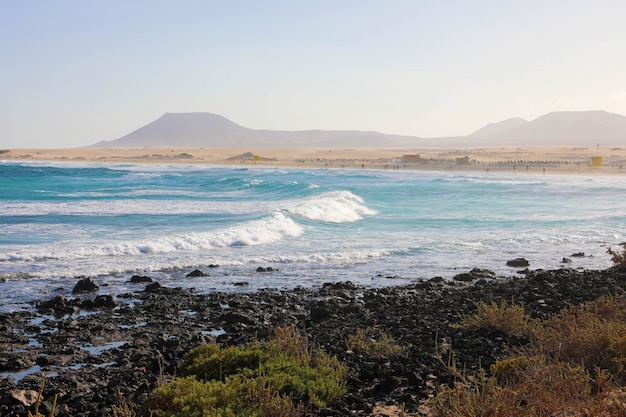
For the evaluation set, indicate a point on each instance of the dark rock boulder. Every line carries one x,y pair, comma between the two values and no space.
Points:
474,274
518,262
85,285
236,318
266,269
57,306
140,279
196,274
104,301
153,287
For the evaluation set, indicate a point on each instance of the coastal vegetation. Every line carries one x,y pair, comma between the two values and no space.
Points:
374,342
573,364
618,259
280,377
504,317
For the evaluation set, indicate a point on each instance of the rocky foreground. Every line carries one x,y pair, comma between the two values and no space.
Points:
95,351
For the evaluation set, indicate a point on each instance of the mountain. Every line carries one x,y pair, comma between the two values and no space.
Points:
499,127
211,130
566,128
184,129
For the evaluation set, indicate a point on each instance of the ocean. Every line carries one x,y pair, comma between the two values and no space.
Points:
63,221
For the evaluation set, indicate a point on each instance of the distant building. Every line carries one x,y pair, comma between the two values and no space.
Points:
410,158
462,161
596,161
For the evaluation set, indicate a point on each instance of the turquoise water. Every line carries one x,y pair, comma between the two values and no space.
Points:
61,221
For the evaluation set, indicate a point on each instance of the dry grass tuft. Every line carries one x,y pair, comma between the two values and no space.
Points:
374,342
507,318
618,259
574,366
38,403
593,335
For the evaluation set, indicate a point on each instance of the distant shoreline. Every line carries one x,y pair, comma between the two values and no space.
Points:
537,160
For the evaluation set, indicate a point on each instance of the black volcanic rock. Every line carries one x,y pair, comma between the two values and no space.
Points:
266,269
85,285
196,273
518,262
474,274
90,361
140,279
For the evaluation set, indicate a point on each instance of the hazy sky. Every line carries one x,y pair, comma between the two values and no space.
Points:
73,73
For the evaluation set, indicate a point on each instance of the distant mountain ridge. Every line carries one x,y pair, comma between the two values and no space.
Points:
212,130
566,128
582,128
500,127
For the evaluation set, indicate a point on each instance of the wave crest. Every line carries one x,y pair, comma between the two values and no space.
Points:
332,207
267,230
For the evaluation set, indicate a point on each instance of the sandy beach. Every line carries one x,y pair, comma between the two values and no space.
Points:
519,159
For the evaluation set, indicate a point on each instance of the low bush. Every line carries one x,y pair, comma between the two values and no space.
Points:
274,378
574,365
592,334
507,318
538,388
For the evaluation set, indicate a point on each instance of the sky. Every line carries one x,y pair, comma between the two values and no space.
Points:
73,73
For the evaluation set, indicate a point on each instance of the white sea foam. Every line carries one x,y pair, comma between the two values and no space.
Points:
335,207
166,263
320,257
264,231
134,206
142,176
332,207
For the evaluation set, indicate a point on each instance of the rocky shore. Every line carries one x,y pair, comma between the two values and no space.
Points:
96,351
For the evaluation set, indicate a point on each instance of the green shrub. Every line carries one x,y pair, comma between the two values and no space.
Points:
374,342
211,362
190,397
257,379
